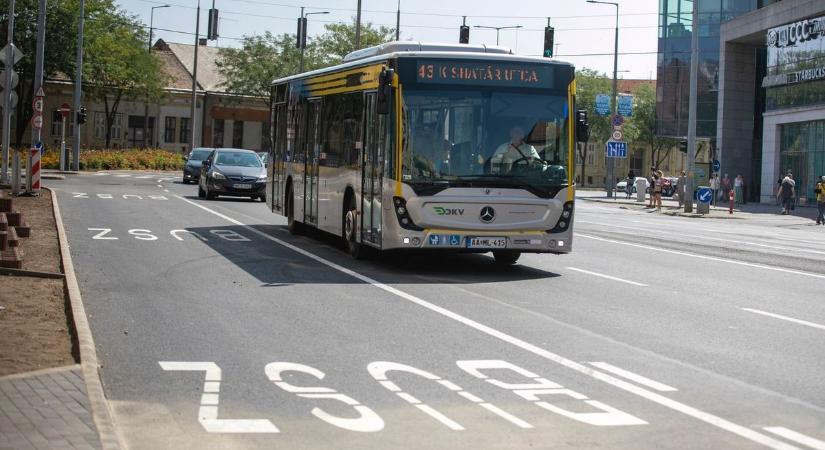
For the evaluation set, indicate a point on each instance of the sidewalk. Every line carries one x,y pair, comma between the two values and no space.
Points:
46,409
671,207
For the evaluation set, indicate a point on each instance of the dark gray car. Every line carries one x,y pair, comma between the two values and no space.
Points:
232,172
192,168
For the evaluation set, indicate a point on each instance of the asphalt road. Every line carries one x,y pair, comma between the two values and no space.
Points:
218,329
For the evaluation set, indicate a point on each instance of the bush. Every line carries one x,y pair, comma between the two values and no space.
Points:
135,159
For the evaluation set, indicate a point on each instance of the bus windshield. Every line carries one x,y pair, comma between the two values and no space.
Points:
485,138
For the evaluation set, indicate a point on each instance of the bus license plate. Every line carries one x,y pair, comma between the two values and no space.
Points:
243,186
486,242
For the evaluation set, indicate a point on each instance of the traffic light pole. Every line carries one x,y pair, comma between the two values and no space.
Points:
611,162
78,81
38,84
691,137
7,109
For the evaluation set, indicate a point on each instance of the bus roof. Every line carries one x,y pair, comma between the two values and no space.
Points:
398,49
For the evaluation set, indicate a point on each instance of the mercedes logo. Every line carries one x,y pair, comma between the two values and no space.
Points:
487,214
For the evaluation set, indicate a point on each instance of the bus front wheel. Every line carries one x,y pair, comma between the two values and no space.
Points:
292,225
506,257
357,250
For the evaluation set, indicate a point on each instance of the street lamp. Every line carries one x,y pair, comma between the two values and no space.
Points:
512,27
303,38
151,22
610,161
146,104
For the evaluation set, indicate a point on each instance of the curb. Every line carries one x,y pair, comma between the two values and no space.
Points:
101,414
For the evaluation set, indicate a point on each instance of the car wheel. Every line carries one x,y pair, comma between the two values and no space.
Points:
201,192
185,181
292,225
263,198
209,195
506,257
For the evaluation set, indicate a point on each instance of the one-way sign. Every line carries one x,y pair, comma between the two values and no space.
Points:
616,149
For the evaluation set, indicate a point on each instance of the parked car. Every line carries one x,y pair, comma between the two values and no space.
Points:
669,187
621,186
192,168
232,172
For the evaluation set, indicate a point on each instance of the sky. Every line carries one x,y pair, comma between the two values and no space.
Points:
584,31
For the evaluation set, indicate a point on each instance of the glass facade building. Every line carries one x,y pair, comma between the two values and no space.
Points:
802,152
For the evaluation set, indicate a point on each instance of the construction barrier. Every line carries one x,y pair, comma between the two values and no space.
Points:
33,173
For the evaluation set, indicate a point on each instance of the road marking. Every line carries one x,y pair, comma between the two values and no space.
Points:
160,185
698,414
797,437
596,274
789,319
123,175
710,258
102,234
143,177
661,387
100,174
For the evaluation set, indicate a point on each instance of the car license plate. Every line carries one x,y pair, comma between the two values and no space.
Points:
243,186
486,242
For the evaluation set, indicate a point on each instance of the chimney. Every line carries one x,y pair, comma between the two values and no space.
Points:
202,42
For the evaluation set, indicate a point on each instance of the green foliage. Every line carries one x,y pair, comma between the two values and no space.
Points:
590,83
136,159
644,118
339,39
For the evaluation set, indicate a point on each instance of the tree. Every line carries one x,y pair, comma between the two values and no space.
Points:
590,83
116,65
644,118
339,39
59,57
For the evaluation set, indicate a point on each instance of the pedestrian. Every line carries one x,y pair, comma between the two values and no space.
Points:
820,200
738,186
786,193
658,184
714,187
631,179
651,181
727,185
681,186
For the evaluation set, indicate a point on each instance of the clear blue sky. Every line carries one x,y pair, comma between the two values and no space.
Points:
581,28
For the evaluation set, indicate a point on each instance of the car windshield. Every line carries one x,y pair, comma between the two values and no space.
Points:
199,154
484,137
242,159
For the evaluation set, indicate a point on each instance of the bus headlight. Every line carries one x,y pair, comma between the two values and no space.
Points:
403,215
564,221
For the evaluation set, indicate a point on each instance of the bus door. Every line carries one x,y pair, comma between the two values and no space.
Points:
371,179
276,166
313,152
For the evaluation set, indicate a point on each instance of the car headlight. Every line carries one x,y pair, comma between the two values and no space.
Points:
261,179
218,176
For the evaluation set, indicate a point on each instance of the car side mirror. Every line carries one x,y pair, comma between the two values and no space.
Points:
186,158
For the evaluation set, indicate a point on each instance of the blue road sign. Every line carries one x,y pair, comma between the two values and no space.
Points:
616,149
625,105
717,165
704,195
602,104
618,120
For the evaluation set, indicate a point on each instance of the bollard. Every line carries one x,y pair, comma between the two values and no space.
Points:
731,196
33,172
15,172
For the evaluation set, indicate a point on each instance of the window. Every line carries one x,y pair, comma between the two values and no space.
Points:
117,127
169,129
342,130
591,157
57,124
578,157
185,130
100,125
217,133
237,134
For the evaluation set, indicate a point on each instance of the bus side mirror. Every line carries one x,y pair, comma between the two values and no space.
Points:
384,91
582,126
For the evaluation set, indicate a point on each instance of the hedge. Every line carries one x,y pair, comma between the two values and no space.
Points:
119,159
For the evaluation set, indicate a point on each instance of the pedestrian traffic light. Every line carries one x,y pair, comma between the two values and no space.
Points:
464,35
683,146
582,126
549,33
81,116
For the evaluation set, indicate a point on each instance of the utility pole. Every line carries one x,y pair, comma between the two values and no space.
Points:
193,133
38,84
691,131
146,104
398,22
78,80
302,34
611,163
358,27
7,93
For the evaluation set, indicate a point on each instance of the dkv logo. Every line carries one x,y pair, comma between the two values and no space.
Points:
448,211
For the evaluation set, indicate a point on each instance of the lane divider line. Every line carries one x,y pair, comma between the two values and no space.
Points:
789,319
797,437
709,258
596,274
661,387
703,416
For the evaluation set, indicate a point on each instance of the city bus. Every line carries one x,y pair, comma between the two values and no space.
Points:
407,145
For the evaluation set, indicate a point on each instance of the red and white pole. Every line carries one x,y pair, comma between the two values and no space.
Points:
34,170
731,196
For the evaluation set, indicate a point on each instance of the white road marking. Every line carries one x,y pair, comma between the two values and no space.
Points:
596,274
100,174
160,185
698,414
166,190
143,177
710,258
797,437
102,234
789,319
661,387
122,175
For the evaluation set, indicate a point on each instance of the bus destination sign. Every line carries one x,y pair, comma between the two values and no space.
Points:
484,73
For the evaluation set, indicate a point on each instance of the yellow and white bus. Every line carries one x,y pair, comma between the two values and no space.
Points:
428,146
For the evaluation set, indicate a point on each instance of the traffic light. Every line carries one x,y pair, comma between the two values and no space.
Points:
549,34
683,146
582,126
302,33
464,35
212,27
81,116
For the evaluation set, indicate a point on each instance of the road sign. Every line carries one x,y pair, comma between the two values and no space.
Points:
4,52
12,101
625,105
704,195
37,104
618,120
603,104
717,165
617,135
616,149
64,110
37,121
14,78
40,92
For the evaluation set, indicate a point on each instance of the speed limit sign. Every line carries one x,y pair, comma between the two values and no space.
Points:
37,121
617,135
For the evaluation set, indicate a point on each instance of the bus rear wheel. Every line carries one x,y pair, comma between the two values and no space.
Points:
506,257
350,232
292,225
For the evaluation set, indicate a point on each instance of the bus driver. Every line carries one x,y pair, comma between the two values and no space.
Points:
514,150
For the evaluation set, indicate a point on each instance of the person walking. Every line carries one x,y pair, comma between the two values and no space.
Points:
714,187
681,187
631,180
786,193
819,190
658,184
727,185
738,186
651,181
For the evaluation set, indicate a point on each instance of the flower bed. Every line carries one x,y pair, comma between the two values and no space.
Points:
120,159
